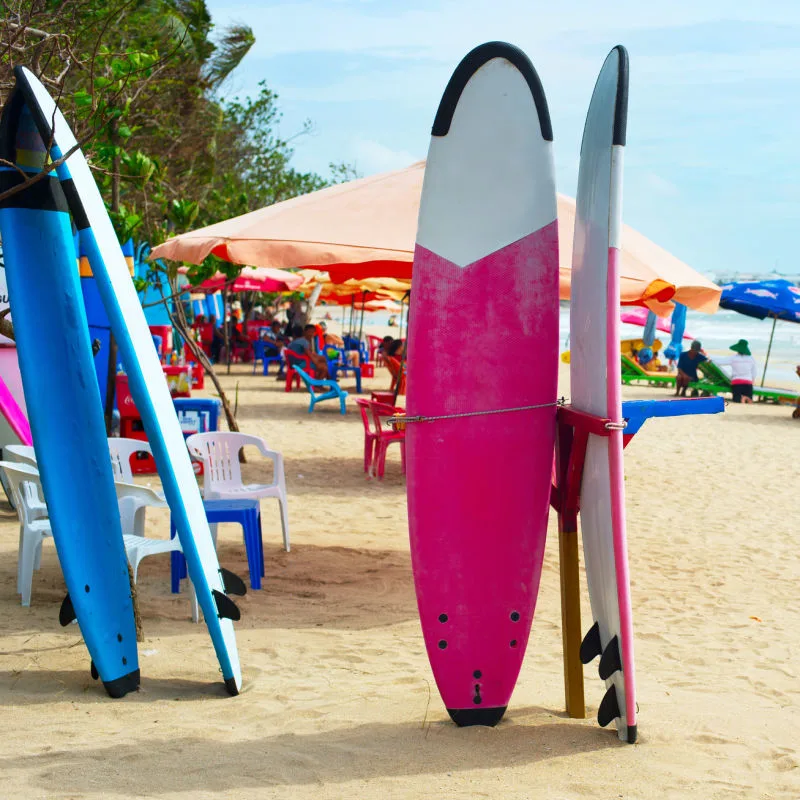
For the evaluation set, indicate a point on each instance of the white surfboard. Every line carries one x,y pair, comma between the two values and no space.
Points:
146,378
596,389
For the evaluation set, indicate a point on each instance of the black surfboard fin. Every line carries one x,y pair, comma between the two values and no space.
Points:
67,612
95,673
226,608
609,707
232,582
591,646
610,661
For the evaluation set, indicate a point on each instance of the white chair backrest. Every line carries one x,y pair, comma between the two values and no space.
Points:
25,485
144,494
219,452
121,451
21,453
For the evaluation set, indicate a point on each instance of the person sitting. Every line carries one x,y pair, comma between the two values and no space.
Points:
333,339
687,367
304,346
743,371
395,349
273,339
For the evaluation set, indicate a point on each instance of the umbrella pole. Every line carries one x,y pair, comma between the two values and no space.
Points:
402,352
363,311
769,350
352,314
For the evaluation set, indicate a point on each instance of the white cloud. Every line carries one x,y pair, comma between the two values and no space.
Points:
370,157
660,185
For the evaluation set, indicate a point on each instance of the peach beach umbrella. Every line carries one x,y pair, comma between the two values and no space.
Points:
366,228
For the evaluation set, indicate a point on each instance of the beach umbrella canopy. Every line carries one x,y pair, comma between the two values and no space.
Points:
638,316
254,279
367,228
778,299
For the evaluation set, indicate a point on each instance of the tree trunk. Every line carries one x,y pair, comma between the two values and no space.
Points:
179,321
111,382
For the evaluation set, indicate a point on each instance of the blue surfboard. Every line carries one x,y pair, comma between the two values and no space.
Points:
145,377
64,408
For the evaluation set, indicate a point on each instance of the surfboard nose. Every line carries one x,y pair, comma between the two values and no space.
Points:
465,717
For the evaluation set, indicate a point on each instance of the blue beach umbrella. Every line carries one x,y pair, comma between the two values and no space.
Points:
778,299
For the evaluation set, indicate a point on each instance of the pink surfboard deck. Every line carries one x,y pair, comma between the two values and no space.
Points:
14,415
596,389
483,337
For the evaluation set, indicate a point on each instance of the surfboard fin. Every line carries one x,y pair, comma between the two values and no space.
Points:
226,608
232,582
95,673
591,646
609,707
67,612
610,661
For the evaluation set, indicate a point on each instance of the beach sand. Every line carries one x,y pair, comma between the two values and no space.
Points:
339,700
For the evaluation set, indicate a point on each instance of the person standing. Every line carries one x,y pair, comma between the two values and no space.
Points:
687,367
743,371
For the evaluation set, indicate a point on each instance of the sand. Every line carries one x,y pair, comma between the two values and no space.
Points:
339,700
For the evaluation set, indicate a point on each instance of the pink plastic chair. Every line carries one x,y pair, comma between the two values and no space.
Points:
370,437
384,437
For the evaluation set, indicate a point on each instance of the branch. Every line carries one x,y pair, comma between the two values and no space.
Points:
6,326
44,173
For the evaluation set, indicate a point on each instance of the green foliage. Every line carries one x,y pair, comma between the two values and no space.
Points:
139,82
126,223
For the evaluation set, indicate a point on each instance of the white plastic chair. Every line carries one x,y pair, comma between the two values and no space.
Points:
23,480
20,454
219,452
133,499
134,509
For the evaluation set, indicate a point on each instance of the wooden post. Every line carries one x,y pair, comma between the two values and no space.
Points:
570,451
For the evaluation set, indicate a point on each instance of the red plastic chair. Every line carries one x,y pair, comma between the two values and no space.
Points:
375,355
384,437
304,362
370,437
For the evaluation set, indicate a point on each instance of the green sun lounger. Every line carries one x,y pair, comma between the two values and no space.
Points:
633,374
716,381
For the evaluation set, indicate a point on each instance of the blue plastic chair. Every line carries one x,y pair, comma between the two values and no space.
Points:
339,363
334,390
248,515
260,354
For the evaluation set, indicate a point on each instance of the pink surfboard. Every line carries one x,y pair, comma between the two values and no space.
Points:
14,415
596,389
482,371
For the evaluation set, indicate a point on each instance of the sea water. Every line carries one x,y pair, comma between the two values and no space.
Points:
716,332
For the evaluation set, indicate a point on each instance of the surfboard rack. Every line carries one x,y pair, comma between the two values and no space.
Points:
573,429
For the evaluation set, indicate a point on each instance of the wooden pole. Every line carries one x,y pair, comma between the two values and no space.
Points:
569,566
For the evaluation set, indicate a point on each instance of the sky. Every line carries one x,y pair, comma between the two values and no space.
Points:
711,164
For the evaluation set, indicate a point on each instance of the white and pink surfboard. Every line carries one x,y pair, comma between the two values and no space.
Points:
596,389
482,371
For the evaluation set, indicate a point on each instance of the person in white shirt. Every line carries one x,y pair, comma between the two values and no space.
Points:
743,371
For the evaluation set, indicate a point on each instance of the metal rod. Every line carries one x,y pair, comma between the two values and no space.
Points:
769,349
